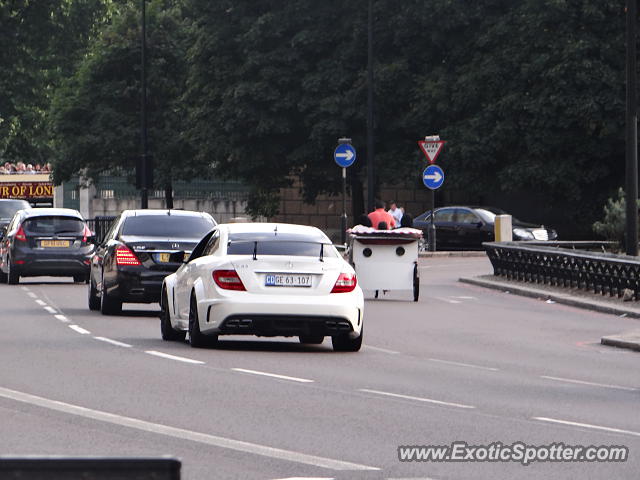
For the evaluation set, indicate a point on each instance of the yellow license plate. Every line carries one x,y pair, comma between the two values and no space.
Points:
55,243
164,257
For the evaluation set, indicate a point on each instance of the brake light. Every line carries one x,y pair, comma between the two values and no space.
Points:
124,256
20,235
86,234
346,283
228,280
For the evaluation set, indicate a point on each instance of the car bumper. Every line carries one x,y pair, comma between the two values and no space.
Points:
27,263
251,314
136,285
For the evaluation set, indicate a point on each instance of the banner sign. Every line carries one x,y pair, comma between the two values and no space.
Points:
26,190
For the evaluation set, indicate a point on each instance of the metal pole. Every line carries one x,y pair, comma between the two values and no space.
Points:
144,200
432,226
631,189
343,235
370,126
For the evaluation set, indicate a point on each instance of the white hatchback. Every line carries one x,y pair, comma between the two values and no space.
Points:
265,279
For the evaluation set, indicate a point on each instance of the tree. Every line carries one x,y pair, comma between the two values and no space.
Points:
95,116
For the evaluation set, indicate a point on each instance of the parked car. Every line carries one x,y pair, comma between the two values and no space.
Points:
134,257
465,228
46,241
8,208
264,279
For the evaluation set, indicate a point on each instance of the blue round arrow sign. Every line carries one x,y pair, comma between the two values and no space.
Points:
344,155
433,177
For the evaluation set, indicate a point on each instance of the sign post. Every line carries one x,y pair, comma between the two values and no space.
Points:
433,178
344,155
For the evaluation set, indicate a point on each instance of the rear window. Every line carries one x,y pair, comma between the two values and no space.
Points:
53,225
7,209
279,243
174,226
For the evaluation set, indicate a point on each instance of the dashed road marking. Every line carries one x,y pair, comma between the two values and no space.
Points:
460,364
173,357
50,309
587,425
204,438
378,349
41,303
113,342
418,399
448,300
593,384
79,329
273,375
32,295
60,317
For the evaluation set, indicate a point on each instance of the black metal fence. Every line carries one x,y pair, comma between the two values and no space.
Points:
100,226
564,264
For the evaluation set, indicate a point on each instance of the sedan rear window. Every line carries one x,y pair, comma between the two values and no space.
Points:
284,248
53,225
173,226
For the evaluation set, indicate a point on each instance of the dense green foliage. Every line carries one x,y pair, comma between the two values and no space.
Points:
613,223
529,94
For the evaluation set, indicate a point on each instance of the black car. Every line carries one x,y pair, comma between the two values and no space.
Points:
465,228
46,241
8,208
134,257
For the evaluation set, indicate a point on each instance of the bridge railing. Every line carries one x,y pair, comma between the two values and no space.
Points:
567,264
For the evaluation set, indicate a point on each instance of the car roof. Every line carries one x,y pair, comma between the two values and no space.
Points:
157,211
13,200
285,228
47,212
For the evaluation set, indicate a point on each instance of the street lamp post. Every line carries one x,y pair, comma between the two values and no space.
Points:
144,180
631,190
370,125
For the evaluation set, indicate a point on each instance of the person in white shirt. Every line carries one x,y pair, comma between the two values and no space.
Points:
395,212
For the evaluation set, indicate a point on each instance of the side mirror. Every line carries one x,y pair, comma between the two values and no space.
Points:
178,257
479,224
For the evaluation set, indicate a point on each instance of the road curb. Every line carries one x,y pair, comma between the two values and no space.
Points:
630,340
452,254
561,298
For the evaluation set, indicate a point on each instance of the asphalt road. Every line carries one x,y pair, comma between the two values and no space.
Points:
462,364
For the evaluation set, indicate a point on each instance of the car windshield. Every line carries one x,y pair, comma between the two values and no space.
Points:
53,225
7,209
296,245
170,226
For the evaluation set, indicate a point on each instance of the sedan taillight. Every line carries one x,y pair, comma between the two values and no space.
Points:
124,256
20,235
228,280
346,283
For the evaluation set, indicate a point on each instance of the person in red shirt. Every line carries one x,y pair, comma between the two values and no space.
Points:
380,215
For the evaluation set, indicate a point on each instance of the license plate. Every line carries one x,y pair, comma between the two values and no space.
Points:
55,243
287,280
164,257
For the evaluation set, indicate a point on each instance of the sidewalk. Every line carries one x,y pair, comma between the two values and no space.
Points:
457,253
572,297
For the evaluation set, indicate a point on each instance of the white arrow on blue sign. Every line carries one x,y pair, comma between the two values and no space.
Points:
344,155
433,177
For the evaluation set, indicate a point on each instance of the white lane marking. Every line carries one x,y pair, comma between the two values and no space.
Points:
173,357
582,382
383,350
50,309
306,478
419,399
113,342
41,303
460,364
587,425
213,440
462,297
26,289
448,300
32,295
62,318
79,329
274,375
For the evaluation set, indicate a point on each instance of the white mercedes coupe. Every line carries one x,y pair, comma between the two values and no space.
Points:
264,279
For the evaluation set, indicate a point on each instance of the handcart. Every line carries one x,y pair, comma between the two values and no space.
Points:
386,260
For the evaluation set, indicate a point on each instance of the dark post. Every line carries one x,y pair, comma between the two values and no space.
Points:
343,235
431,237
370,126
631,189
144,200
